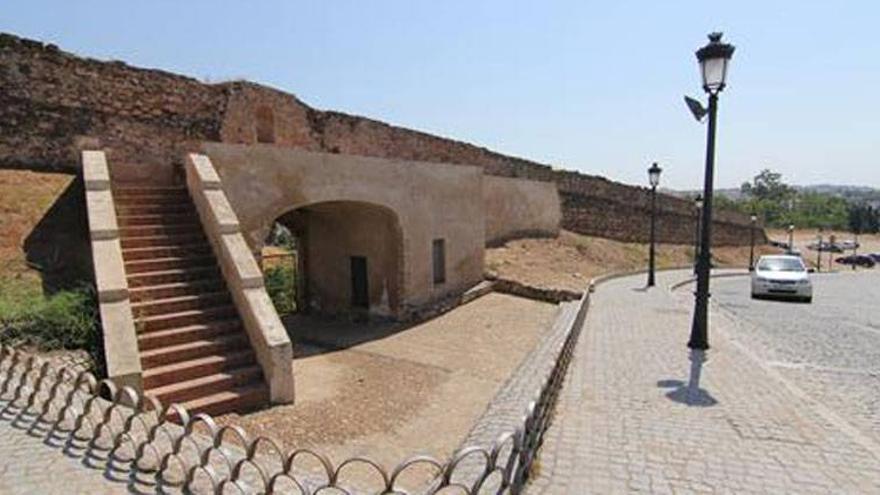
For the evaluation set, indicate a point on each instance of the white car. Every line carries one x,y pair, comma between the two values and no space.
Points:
782,276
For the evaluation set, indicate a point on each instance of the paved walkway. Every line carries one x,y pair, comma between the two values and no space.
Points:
33,461
625,422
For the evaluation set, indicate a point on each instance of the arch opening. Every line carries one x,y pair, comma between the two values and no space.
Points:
336,257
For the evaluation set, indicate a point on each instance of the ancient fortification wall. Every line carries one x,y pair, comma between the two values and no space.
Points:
53,104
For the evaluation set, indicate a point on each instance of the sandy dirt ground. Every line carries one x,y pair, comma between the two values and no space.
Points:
570,260
25,197
389,391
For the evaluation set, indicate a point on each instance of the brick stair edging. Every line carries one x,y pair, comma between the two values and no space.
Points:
243,277
119,334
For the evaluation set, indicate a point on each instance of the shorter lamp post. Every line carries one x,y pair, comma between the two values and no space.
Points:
754,219
654,179
832,240
698,206
819,251
790,239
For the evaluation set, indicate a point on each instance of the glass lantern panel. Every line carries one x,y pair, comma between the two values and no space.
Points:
714,72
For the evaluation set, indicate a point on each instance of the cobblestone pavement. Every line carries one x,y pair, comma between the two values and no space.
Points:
33,462
830,349
626,422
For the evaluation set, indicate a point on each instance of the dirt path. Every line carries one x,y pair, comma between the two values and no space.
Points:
390,392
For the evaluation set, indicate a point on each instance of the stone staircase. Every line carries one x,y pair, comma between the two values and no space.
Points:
192,343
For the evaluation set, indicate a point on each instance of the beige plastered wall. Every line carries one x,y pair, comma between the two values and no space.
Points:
520,208
428,200
335,232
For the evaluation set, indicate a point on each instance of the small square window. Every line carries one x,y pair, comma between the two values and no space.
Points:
439,257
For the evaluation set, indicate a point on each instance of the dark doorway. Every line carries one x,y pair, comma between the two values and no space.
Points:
360,294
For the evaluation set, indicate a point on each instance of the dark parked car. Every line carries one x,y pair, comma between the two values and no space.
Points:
825,247
874,256
857,260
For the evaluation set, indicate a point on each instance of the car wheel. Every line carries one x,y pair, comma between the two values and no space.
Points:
808,300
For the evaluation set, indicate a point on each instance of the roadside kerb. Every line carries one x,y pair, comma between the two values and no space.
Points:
690,280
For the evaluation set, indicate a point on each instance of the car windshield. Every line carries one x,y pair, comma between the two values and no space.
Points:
781,265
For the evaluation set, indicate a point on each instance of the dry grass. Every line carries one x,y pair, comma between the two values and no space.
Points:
25,196
571,260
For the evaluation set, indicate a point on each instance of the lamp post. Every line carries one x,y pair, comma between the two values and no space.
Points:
698,207
754,219
819,251
790,239
654,180
713,59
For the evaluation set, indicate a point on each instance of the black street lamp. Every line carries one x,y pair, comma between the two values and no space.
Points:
713,58
819,251
754,219
698,208
654,179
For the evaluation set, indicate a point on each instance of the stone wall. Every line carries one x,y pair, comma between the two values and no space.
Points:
54,103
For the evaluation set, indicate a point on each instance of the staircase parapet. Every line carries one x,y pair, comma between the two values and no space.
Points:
244,279
120,337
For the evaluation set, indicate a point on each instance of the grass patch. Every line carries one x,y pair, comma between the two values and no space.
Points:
65,320
281,286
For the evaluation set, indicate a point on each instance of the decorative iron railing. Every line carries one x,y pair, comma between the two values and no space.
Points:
194,453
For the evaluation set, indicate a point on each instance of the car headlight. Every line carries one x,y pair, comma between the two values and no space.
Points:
803,281
762,279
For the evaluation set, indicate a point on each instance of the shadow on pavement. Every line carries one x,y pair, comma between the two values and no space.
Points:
684,394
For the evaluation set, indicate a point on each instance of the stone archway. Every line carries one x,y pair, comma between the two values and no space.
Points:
350,257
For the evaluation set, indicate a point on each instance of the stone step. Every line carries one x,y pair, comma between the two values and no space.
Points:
140,220
193,368
175,289
192,350
196,388
192,274
190,333
159,230
157,199
180,303
169,263
184,318
157,208
167,251
183,238
238,399
140,191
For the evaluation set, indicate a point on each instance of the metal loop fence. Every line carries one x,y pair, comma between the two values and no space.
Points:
192,452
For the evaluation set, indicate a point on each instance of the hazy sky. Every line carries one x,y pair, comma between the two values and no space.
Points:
592,86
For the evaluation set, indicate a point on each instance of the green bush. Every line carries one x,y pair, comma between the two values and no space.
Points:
281,286
65,320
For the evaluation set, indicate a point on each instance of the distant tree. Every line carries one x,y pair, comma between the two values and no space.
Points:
864,219
767,185
724,202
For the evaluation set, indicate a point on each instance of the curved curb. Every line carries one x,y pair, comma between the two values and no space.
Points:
677,285
600,279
